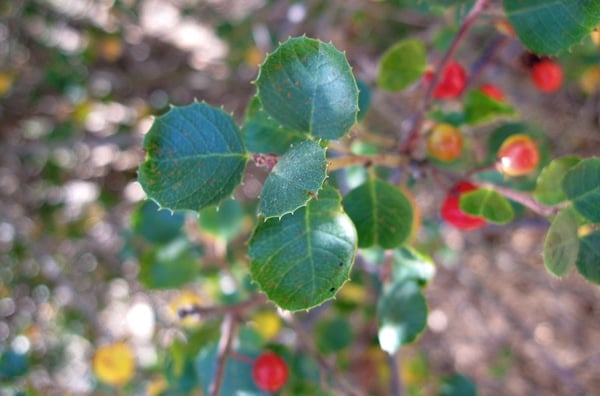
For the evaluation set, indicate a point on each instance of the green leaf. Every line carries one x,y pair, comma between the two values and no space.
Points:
453,118
488,204
548,189
237,379
402,315
304,258
381,212
401,65
333,335
549,26
457,385
561,246
169,266
13,364
410,264
588,260
194,158
581,184
224,222
364,99
308,86
262,134
154,225
297,177
479,107
180,371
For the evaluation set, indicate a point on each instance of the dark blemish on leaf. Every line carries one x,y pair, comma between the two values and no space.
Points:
341,264
332,289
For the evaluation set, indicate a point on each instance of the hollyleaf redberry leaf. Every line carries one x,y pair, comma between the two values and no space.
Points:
561,245
488,204
297,177
452,213
481,107
263,134
401,313
381,212
548,188
307,85
169,266
154,225
195,158
457,385
224,222
304,258
401,65
582,186
588,260
546,27
410,264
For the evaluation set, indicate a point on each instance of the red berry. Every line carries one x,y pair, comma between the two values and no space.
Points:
493,92
547,75
451,209
518,155
269,372
445,143
452,81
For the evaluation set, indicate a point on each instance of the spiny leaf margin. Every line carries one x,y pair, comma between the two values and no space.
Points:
195,157
307,85
304,258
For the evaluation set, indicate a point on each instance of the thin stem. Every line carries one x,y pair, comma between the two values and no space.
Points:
308,345
522,198
370,137
486,57
396,381
228,332
236,309
388,160
419,117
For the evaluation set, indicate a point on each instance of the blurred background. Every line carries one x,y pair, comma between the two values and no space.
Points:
79,83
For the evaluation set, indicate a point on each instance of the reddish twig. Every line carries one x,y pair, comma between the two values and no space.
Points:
236,309
524,199
387,160
308,345
228,332
396,381
419,117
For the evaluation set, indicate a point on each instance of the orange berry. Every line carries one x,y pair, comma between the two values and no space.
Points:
445,143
